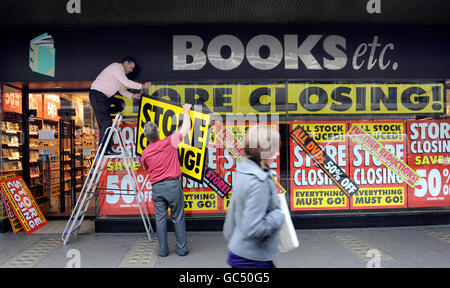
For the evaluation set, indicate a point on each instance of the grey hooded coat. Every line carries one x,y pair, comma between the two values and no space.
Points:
254,217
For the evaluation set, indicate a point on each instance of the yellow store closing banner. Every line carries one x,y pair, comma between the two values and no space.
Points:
306,98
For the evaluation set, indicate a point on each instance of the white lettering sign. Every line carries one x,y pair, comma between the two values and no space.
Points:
266,52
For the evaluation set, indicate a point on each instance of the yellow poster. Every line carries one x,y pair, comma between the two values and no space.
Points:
302,98
319,198
384,197
365,98
200,201
168,117
308,98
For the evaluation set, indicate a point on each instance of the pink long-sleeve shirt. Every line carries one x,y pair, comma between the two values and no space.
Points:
113,79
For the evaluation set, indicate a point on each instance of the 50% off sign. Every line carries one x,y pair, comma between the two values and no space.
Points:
119,194
434,182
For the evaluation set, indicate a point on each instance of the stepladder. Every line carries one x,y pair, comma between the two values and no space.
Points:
90,187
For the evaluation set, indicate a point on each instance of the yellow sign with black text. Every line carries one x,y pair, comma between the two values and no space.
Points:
200,201
303,98
127,106
379,197
168,117
319,198
309,98
327,132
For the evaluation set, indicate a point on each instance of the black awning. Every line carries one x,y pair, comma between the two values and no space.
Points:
20,13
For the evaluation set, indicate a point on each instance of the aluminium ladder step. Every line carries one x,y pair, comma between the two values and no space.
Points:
93,179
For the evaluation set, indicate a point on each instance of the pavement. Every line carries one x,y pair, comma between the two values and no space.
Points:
390,247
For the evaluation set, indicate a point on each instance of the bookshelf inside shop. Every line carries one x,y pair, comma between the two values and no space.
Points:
36,171
40,151
84,153
77,144
67,177
11,135
11,152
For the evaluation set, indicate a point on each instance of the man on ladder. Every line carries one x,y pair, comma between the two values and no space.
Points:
112,79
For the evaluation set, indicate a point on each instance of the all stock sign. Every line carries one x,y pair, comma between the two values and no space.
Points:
377,164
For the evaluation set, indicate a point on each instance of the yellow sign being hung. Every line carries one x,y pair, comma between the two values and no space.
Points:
168,117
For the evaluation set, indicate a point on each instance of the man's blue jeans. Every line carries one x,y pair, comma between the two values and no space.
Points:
169,193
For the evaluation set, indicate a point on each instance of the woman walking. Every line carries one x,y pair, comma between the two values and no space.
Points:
254,217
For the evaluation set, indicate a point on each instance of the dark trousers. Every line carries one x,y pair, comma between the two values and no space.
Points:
101,105
167,194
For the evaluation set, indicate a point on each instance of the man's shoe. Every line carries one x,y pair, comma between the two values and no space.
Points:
186,252
162,254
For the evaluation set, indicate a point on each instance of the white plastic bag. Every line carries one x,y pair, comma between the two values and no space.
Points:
288,237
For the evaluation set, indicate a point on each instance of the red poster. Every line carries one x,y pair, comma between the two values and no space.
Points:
429,156
51,106
117,191
12,100
311,188
25,207
117,187
227,159
379,186
35,103
199,197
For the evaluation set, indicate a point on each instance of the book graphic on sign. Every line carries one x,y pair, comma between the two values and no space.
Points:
42,55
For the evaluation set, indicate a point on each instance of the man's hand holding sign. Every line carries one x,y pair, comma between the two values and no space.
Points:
186,126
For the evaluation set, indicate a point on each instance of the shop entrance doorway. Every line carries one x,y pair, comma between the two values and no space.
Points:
67,162
52,151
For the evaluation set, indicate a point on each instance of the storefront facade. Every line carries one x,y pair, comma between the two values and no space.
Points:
349,89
